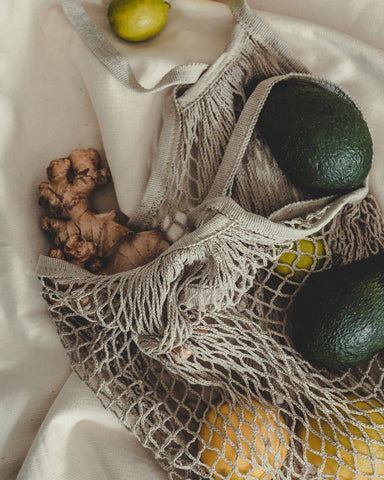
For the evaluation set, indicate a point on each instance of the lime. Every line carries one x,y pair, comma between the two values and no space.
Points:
296,264
137,20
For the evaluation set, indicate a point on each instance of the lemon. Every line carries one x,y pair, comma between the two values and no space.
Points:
137,20
270,440
295,265
362,454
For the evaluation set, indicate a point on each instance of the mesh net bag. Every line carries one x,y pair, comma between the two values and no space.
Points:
192,352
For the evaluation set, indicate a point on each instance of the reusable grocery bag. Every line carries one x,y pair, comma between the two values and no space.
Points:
192,352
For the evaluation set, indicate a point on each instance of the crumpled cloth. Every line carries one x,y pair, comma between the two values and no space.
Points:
55,97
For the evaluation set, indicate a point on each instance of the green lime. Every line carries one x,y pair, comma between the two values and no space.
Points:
297,263
137,20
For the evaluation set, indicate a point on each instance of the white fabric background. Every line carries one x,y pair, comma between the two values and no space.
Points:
55,97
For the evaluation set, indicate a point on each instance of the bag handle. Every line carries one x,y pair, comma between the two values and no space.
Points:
186,74
217,199
246,124
116,63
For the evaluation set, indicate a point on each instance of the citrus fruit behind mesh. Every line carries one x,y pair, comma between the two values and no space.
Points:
360,446
301,259
137,20
269,437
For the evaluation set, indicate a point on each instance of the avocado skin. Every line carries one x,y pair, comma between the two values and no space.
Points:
318,138
338,316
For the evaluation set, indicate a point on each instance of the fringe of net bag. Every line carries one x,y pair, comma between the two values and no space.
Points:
205,324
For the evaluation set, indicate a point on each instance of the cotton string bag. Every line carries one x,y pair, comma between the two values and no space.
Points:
205,326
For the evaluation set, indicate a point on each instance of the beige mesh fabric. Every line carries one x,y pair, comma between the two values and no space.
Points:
202,334
224,301
198,123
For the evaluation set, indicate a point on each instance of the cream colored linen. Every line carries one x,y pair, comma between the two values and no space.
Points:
54,97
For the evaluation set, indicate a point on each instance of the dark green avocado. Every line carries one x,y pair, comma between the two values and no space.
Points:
318,137
338,316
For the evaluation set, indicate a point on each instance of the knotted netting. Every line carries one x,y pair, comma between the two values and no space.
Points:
193,352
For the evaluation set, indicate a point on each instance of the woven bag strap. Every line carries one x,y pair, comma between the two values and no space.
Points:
185,74
217,199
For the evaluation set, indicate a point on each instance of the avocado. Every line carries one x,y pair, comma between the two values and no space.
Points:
338,315
318,137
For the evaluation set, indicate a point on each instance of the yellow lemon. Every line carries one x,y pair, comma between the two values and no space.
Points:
270,440
362,453
137,20
296,264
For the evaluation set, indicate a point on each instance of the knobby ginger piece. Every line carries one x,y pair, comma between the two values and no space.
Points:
98,242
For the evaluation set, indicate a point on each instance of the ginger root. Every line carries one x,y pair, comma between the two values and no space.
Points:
98,242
